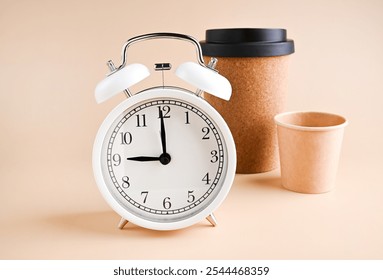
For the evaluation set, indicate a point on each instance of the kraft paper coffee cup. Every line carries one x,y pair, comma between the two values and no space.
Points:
309,147
255,61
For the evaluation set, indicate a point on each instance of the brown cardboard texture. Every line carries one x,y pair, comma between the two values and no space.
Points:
309,146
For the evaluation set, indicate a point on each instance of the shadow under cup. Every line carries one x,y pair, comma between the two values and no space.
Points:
309,149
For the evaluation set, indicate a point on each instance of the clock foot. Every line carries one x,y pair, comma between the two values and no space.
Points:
122,223
211,218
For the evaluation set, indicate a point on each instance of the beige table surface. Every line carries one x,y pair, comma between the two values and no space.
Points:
53,53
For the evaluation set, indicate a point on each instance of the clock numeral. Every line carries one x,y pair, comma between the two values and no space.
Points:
166,203
125,182
214,156
117,159
145,194
187,117
206,179
165,112
206,130
126,138
141,120
191,197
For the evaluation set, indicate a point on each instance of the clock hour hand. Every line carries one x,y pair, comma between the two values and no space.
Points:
163,158
144,158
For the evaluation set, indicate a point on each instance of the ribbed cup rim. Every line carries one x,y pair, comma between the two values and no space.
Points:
342,122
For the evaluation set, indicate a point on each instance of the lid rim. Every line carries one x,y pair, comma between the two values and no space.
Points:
242,35
247,42
263,49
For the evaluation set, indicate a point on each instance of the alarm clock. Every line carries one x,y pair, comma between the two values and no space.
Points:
164,158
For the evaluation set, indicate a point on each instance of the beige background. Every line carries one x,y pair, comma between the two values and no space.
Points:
52,54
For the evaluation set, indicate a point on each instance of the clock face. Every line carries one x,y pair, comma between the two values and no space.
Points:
164,159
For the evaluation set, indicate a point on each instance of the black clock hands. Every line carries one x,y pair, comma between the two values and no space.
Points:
164,158
143,158
162,132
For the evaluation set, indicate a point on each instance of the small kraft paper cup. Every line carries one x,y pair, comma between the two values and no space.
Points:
309,149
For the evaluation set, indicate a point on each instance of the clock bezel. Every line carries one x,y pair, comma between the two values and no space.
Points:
145,96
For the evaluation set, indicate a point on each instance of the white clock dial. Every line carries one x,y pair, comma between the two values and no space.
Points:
164,159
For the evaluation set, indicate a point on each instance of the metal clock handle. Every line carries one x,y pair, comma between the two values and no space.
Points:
161,35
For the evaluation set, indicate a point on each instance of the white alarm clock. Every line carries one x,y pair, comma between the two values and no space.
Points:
164,158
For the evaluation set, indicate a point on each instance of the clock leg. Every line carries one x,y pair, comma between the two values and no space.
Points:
211,218
122,223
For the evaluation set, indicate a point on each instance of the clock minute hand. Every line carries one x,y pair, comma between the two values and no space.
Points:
144,158
165,158
162,132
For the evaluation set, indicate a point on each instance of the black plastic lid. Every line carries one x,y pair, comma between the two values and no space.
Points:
246,42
